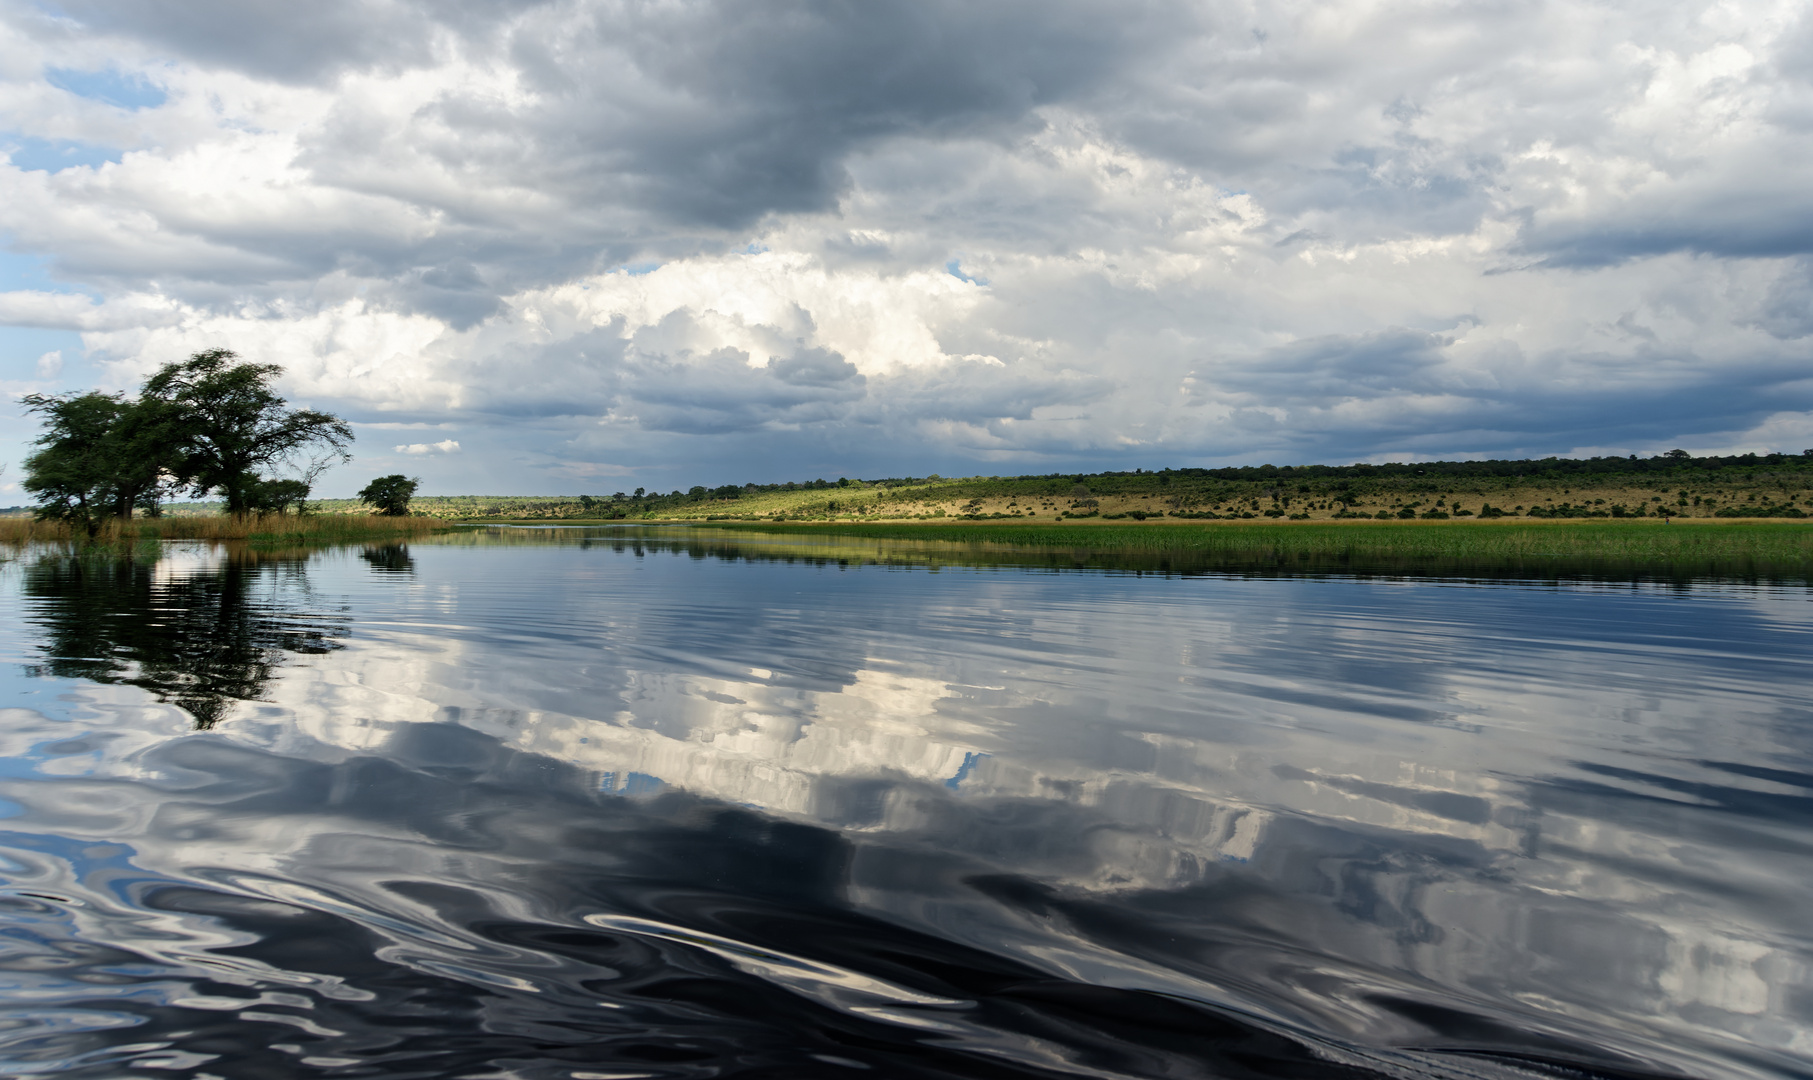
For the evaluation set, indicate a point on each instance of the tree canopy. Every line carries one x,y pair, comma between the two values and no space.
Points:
206,424
101,455
229,425
390,494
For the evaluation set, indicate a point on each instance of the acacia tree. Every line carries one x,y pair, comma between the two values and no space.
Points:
227,424
100,456
390,495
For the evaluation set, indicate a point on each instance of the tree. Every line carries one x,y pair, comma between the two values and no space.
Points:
200,640
390,495
100,456
277,496
226,424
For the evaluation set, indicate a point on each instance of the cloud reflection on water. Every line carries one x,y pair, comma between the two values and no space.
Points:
1395,814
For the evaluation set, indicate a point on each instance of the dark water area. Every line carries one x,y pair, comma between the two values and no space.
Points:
599,804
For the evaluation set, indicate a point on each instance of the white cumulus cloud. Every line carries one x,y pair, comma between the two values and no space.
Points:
445,446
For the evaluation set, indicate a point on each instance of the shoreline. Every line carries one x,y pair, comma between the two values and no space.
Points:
1718,548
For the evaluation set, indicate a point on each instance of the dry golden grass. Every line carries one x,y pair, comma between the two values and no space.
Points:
23,530
272,528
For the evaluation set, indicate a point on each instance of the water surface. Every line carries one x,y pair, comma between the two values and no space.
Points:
587,804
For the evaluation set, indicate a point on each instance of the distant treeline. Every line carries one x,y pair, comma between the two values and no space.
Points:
1495,467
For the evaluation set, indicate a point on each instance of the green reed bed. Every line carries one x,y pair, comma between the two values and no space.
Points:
1601,548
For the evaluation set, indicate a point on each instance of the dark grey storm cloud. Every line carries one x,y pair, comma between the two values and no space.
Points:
720,392
1759,214
710,112
1339,367
296,43
1787,308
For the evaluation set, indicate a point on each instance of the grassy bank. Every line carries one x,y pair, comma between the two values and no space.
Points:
266,528
1745,487
1615,547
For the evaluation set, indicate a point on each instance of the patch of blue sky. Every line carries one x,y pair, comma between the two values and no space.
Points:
633,783
125,90
970,760
20,271
30,354
638,269
32,154
23,349
955,268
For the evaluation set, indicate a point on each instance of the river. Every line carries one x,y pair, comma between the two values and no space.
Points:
590,803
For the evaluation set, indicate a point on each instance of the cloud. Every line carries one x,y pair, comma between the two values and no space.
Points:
929,236
1786,310
445,446
73,311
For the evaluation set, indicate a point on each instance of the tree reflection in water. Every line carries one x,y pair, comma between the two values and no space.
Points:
200,637
389,558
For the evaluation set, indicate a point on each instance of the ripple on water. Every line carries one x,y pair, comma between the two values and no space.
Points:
572,809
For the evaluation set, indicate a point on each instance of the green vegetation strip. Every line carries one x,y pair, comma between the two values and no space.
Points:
1709,547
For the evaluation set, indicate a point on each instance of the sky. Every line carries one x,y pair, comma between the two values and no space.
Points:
584,246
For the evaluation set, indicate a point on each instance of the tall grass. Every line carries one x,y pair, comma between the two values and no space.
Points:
262,528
